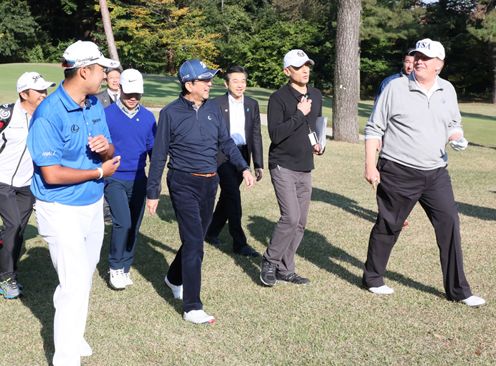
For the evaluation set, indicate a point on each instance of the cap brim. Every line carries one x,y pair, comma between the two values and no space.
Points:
107,62
423,52
207,75
134,90
41,86
48,84
309,61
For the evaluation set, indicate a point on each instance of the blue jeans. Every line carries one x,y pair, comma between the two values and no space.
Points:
193,202
126,199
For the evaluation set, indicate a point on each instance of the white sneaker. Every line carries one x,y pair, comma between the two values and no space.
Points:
198,317
85,349
177,291
129,281
117,279
474,301
381,290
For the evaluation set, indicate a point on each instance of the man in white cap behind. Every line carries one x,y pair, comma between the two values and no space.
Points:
71,148
414,118
292,115
132,129
16,199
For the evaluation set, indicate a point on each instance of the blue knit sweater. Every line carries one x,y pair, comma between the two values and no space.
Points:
133,139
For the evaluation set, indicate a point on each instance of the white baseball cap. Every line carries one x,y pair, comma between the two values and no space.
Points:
429,48
32,80
85,53
132,81
296,58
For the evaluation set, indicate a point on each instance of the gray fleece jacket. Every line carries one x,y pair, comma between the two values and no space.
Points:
413,127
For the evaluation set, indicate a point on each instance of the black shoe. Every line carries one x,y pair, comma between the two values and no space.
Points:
268,273
247,251
293,278
214,240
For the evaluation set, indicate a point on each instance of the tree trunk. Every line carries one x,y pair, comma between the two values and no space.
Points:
347,72
493,46
107,26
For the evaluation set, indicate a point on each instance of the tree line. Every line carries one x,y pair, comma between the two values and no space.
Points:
156,36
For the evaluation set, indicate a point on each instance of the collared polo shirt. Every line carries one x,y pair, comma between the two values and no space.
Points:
414,128
190,137
58,135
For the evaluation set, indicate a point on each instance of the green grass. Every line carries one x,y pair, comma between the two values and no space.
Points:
330,322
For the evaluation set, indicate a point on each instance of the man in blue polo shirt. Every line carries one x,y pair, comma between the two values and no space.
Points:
72,152
190,132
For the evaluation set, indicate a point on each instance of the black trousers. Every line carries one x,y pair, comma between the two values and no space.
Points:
400,189
193,201
229,205
16,205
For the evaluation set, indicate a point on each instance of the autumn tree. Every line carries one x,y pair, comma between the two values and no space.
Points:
156,35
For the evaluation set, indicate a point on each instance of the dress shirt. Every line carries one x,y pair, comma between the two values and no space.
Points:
237,120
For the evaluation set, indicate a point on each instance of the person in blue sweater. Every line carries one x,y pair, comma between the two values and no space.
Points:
132,128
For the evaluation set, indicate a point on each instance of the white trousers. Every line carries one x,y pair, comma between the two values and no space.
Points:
74,235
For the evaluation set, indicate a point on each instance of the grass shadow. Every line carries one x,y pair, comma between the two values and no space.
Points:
347,204
249,265
483,146
165,210
39,279
483,213
150,262
364,110
478,116
30,232
316,249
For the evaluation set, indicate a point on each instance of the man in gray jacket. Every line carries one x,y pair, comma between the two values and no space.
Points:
113,91
415,117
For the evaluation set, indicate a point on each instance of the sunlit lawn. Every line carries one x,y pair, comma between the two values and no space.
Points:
333,321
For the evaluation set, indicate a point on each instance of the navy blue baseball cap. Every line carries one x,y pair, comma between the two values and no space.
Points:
195,70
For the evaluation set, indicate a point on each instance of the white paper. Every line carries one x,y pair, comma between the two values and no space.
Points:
321,130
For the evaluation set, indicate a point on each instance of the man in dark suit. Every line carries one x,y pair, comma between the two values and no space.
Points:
113,91
242,116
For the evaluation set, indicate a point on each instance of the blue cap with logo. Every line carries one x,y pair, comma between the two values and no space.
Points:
195,70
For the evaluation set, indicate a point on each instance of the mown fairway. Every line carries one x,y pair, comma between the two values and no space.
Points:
333,321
